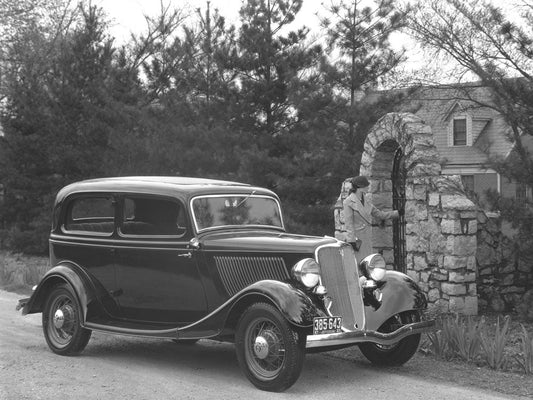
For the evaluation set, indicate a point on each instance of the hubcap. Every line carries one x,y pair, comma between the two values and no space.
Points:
59,319
62,321
261,347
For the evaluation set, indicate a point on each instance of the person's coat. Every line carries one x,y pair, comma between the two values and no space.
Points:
358,222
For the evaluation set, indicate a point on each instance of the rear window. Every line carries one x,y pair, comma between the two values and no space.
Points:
91,214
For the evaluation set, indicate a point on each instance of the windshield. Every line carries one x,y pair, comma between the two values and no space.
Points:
235,210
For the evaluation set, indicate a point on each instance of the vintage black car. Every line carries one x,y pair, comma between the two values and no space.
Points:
189,259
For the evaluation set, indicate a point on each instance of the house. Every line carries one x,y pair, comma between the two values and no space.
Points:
467,134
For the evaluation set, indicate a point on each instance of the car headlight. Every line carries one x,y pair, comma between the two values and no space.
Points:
374,267
307,271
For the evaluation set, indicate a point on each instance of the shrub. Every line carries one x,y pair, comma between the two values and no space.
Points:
525,359
32,241
457,337
493,346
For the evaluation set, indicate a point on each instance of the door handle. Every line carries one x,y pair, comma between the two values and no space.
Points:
186,255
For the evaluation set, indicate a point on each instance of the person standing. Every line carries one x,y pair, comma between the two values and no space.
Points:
358,213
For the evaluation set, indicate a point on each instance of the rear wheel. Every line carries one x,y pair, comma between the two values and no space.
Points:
62,322
269,350
398,353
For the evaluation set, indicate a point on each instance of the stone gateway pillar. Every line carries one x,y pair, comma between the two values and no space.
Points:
435,242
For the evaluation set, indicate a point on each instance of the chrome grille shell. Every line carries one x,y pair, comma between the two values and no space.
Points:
340,276
238,272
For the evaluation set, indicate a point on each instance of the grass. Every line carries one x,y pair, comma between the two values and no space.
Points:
19,273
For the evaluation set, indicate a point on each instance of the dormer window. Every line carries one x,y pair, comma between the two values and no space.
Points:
459,132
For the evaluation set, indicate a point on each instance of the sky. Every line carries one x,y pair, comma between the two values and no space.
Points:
127,15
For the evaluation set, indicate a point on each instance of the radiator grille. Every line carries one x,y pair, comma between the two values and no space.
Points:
239,272
341,278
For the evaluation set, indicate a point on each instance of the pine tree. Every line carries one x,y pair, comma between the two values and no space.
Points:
271,62
358,35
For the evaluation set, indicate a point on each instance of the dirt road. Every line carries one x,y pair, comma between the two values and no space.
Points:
113,367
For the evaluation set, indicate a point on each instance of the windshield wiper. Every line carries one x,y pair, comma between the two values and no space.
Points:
245,199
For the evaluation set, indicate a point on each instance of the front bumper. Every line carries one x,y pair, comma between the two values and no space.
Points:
355,337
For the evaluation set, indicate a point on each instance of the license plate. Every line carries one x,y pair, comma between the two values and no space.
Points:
327,325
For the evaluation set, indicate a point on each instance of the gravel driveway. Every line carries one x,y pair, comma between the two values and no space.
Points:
113,367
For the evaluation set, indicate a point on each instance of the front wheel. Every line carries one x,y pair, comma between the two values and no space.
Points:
270,352
62,322
398,353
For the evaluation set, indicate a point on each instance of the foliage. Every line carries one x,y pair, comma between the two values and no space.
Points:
190,96
358,33
56,120
457,337
525,359
270,64
494,345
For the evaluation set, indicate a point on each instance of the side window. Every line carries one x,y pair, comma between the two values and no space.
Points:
93,215
144,216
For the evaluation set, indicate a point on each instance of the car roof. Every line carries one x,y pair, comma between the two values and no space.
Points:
181,187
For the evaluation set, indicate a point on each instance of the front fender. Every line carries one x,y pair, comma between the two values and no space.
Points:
400,293
62,273
291,302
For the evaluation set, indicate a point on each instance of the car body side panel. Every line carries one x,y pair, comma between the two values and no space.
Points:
400,293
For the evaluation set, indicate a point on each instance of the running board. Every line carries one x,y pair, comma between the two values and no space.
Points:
171,333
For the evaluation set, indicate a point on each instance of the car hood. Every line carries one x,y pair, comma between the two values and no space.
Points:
263,241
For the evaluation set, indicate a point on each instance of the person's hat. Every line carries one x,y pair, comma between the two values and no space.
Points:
360,182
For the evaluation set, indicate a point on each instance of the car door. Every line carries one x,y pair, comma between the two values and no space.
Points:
157,275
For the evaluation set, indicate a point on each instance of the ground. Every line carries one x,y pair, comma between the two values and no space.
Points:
118,367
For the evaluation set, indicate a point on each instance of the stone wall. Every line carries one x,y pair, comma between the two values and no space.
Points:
504,275
441,245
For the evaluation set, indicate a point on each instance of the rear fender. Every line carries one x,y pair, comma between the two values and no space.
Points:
63,273
400,293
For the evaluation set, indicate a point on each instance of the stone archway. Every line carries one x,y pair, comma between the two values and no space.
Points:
440,222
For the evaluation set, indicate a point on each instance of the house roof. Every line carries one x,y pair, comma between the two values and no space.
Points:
438,105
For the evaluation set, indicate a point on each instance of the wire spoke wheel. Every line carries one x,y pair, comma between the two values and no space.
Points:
269,351
265,348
